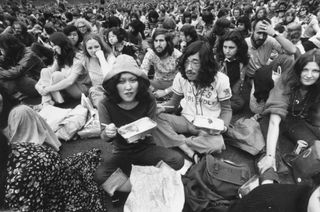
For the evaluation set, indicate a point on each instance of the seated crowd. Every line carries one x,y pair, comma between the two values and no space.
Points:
171,61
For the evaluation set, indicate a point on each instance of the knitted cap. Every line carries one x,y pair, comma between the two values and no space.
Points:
125,63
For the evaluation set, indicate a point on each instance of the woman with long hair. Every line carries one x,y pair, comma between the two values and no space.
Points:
65,75
19,67
289,103
232,54
83,26
98,61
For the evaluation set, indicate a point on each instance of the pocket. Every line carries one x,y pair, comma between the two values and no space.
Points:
225,177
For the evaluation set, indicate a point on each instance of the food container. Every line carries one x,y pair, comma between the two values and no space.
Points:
213,124
137,129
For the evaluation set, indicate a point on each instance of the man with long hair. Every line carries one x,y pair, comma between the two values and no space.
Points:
163,58
202,91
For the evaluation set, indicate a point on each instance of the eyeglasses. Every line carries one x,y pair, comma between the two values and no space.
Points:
194,63
80,27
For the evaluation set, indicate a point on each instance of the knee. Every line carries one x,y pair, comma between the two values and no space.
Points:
175,160
56,76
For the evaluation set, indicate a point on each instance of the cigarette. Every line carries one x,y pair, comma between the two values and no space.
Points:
103,124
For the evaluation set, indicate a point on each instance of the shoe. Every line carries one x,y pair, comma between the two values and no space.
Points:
118,199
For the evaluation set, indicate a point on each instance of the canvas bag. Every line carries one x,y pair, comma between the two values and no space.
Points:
213,183
247,134
307,163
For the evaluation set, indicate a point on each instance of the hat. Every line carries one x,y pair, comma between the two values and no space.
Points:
125,63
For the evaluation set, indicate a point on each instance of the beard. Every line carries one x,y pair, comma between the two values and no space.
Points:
162,53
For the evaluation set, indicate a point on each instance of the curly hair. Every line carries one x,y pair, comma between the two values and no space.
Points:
112,93
292,77
208,65
242,52
170,47
104,46
13,50
85,22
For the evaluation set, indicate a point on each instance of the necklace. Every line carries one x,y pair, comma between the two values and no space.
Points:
296,102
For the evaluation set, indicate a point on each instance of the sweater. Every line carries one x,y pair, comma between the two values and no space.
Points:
110,112
275,198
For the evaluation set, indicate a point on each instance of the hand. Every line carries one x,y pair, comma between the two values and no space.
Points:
266,162
57,49
99,54
110,130
160,109
160,93
43,91
267,28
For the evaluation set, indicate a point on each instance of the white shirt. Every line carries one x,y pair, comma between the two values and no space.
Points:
205,102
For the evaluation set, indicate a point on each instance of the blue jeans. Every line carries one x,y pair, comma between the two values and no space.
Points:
148,155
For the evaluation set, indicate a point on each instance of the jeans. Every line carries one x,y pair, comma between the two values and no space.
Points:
293,128
148,155
171,131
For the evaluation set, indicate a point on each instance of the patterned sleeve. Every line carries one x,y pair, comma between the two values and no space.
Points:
223,87
146,63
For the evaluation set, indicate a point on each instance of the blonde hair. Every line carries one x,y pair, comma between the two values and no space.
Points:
85,22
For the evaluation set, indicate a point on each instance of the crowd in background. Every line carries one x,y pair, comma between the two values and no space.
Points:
195,57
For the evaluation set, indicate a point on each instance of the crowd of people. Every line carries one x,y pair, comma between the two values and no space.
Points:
169,60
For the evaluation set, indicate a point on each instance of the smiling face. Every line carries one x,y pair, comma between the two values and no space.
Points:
92,46
229,49
128,87
310,74
192,66
82,28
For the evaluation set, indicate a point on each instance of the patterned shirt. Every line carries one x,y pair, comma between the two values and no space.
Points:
164,68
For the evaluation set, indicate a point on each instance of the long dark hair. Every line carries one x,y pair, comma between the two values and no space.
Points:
112,93
242,52
67,50
71,28
7,104
170,47
291,78
208,65
13,50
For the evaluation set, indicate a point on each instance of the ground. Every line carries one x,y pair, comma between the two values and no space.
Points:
231,153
